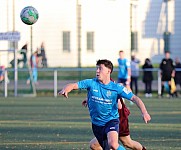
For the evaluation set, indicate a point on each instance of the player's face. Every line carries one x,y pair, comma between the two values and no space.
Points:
102,72
121,55
167,55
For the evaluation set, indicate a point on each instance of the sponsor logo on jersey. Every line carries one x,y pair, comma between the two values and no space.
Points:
126,90
108,94
95,90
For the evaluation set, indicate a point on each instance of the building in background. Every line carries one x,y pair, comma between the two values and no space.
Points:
155,28
77,33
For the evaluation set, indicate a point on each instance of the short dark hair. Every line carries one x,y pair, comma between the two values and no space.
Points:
106,63
167,52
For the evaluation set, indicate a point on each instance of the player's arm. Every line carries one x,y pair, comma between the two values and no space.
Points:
129,75
141,106
173,73
68,88
173,69
161,68
126,93
128,64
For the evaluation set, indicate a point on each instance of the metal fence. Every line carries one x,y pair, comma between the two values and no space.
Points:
53,79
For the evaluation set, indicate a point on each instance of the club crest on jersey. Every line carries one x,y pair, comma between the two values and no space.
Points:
108,94
126,90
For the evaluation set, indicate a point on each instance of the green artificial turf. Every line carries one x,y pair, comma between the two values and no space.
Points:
59,123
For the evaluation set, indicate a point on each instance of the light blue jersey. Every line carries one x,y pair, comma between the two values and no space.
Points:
102,99
123,65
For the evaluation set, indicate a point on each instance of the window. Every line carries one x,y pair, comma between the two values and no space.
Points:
134,41
90,41
66,41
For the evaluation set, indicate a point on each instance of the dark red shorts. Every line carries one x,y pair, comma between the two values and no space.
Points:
123,124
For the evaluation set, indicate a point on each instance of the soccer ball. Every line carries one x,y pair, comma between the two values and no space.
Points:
29,15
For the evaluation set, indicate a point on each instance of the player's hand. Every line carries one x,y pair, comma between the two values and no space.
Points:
84,103
146,117
64,93
173,74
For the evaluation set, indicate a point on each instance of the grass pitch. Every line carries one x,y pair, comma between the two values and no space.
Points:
59,123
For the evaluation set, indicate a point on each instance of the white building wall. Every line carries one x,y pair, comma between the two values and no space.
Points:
176,36
152,25
150,29
109,20
3,28
55,16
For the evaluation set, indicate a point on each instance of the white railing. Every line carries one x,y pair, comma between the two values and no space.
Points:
55,77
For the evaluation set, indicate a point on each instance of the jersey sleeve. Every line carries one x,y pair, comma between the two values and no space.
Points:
125,93
128,63
161,64
84,84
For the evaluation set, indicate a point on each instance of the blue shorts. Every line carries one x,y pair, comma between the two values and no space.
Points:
123,81
100,132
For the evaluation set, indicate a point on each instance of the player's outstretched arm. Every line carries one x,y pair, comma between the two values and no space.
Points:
141,106
68,88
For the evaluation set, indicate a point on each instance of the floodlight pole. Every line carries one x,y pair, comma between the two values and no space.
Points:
167,33
31,39
78,6
131,17
15,72
166,10
15,57
79,32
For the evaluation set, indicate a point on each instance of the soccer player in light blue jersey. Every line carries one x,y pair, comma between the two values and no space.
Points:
103,95
124,70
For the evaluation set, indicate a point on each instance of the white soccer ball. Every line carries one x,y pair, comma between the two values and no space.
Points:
29,15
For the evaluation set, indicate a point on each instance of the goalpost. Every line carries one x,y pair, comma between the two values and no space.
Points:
15,37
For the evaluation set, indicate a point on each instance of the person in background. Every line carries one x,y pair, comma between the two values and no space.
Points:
2,69
2,74
167,69
23,52
34,66
134,73
147,77
124,70
177,73
43,56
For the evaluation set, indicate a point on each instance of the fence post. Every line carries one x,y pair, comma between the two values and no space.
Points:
55,83
5,83
159,82
15,73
